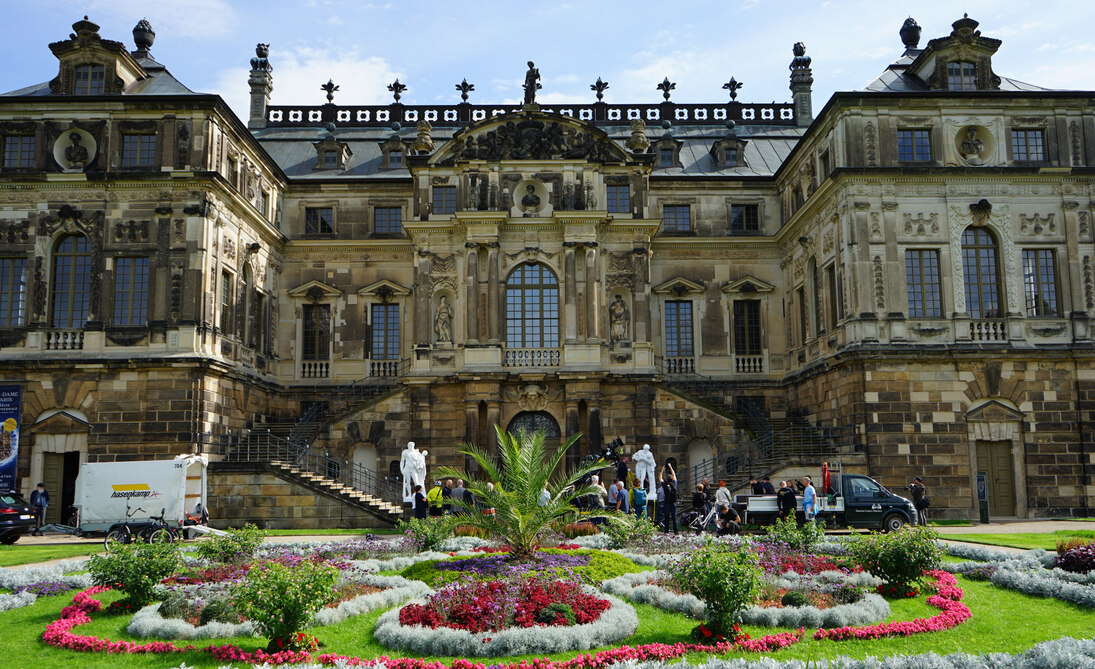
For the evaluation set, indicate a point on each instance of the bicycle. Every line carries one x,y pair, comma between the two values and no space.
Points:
159,532
700,522
123,533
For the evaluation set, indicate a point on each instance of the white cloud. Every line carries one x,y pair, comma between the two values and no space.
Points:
298,74
192,19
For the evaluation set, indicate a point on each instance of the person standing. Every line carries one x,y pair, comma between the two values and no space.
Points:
458,494
659,503
39,501
756,486
722,495
786,500
435,497
446,498
809,499
621,469
419,503
638,500
919,500
621,498
766,484
670,487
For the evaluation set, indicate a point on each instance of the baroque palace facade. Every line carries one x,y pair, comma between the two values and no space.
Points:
902,283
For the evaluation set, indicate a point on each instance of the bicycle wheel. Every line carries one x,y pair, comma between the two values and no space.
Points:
160,535
115,538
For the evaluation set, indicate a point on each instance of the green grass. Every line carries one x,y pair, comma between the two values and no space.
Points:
1027,540
951,523
13,555
1003,621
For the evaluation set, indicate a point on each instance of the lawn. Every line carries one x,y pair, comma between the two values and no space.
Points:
15,555
1028,540
1003,621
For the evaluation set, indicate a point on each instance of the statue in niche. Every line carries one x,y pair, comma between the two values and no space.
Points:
76,154
531,201
442,325
532,84
620,317
972,147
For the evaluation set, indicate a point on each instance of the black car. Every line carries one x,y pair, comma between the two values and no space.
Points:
16,517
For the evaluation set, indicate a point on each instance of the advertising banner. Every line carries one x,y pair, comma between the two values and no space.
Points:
11,401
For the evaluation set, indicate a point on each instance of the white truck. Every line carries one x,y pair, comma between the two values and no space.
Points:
107,491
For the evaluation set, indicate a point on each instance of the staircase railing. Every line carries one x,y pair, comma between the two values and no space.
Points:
308,425
262,446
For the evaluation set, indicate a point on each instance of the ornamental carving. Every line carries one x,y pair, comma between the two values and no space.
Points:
879,284
870,137
799,268
15,232
131,231
927,331
828,242
998,219
1077,144
532,397
1089,284
229,248
920,225
1037,225
1046,331
620,273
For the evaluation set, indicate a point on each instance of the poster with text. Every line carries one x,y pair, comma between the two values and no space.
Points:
11,399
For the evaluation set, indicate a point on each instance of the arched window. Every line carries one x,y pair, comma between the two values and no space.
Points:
532,308
71,281
90,80
535,421
979,266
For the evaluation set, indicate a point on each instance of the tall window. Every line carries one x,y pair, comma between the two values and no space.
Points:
914,145
744,218
71,281
678,329
444,199
979,266
89,80
815,295
388,220
317,329
234,172
261,327
19,151
962,76
532,308
264,203
138,150
803,315
226,303
248,306
922,281
677,218
130,291
747,327
385,332
13,291
1040,282
1028,145
836,312
618,199
319,220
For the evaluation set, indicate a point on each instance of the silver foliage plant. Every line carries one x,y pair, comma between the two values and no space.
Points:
871,608
149,624
17,601
614,624
12,578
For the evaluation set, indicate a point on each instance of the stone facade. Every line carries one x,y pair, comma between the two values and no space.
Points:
903,282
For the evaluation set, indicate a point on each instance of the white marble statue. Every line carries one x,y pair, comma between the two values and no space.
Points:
418,473
406,469
645,467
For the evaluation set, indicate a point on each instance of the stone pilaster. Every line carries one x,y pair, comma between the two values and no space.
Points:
472,301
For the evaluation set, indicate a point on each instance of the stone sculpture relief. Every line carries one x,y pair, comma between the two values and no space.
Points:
620,318
442,325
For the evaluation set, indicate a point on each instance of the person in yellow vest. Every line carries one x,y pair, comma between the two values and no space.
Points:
435,498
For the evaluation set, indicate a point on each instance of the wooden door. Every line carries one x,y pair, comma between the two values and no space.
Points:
53,475
994,457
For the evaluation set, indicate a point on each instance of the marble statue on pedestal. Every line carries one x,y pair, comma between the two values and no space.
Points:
412,465
645,467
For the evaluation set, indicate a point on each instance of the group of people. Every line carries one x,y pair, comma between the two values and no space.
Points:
629,494
439,500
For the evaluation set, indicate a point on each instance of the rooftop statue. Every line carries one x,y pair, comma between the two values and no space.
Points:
532,83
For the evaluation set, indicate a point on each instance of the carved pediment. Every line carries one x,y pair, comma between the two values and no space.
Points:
994,411
748,285
678,287
531,135
315,291
385,290
62,421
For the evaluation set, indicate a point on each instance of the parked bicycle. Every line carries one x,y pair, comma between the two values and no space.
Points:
699,522
159,532
123,533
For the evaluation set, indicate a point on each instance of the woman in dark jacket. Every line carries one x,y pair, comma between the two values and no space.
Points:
419,503
699,499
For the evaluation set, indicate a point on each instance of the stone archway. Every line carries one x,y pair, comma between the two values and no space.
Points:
535,421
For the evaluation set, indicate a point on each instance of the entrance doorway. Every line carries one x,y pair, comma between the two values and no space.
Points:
535,421
59,472
994,458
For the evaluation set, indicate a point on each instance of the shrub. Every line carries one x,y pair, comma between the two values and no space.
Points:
1079,560
587,566
582,528
898,558
469,531
794,599
625,529
425,535
281,600
803,538
234,548
135,569
725,577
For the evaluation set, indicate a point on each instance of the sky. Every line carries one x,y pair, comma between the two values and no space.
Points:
431,46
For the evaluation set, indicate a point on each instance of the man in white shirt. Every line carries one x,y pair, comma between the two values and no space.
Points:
809,499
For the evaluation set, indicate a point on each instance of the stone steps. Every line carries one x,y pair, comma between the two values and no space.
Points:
341,490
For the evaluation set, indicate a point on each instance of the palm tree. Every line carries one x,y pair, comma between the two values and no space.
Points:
521,473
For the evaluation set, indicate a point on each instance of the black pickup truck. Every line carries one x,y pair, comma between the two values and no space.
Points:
856,501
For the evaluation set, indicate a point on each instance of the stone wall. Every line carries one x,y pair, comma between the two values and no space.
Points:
271,501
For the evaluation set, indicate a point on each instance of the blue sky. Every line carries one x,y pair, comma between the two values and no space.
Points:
431,46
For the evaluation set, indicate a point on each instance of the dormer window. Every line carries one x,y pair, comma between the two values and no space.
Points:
330,158
668,151
962,76
395,160
90,80
392,154
729,152
731,157
666,157
332,154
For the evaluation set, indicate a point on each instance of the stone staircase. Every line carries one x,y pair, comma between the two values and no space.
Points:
393,512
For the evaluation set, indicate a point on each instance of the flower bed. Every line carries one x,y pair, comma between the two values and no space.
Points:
477,612
590,566
952,613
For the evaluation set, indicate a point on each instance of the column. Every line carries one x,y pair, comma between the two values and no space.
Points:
471,433
640,295
570,293
471,317
422,327
494,417
573,456
494,293
593,290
